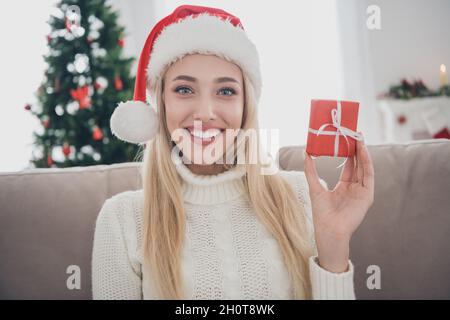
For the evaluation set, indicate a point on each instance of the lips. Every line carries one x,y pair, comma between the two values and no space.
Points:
205,134
204,137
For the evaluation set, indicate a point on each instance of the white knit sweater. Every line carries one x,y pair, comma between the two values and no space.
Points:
228,253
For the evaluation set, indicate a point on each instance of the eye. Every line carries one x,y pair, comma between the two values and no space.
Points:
177,90
229,91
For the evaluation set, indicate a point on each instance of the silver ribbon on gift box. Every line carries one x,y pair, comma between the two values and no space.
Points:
340,130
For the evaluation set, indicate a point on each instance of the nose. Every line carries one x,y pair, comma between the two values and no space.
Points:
204,111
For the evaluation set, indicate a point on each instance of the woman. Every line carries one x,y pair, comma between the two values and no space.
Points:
203,227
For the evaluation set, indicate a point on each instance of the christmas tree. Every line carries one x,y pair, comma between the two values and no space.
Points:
85,78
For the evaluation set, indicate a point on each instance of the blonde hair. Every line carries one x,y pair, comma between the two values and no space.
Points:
273,199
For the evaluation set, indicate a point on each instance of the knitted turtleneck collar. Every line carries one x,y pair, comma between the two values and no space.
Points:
211,189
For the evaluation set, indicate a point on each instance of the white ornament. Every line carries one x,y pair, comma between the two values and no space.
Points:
97,156
81,63
87,149
72,107
57,154
59,110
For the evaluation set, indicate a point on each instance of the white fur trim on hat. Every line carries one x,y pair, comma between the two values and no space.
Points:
204,34
134,122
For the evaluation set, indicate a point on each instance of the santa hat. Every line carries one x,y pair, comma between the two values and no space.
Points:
188,29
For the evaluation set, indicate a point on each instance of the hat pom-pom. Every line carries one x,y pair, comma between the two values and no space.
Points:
134,122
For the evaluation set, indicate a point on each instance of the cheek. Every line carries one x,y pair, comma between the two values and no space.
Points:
175,114
232,114
171,119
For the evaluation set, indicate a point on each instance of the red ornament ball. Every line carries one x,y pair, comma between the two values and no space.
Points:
401,119
49,160
97,85
97,133
118,83
66,149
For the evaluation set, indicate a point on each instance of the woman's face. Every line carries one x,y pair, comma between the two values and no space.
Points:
204,96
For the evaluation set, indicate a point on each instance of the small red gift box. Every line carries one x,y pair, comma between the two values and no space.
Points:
333,120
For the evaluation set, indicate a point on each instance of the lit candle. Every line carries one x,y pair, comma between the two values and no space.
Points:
443,75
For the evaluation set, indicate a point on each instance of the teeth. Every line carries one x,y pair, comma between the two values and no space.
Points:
205,135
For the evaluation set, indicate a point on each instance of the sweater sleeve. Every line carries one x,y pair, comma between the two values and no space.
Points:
325,284
114,277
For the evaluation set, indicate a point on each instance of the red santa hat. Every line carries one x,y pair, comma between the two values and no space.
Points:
188,29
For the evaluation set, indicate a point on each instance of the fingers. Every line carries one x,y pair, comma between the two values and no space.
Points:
359,156
311,175
347,174
369,173
365,164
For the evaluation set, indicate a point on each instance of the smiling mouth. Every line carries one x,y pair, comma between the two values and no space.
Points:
204,137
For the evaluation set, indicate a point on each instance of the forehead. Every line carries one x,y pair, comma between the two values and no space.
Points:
204,67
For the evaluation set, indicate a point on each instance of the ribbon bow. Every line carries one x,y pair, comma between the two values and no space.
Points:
340,130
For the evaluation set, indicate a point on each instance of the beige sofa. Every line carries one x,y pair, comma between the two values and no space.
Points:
47,219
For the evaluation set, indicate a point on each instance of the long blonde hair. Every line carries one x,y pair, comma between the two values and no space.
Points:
273,200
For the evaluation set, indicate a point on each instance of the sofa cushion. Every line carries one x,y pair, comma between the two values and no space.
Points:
47,224
406,232
47,221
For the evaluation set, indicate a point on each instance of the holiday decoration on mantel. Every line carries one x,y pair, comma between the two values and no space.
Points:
76,99
408,90
417,89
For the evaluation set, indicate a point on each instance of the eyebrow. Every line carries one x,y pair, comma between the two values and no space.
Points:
217,80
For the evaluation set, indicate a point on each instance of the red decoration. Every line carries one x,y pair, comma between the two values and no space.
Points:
321,116
118,83
89,40
27,107
121,42
81,95
97,133
46,122
443,134
97,85
49,160
49,38
401,119
66,149
68,25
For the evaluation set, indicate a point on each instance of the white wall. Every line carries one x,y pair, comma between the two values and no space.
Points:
23,31
138,17
413,42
